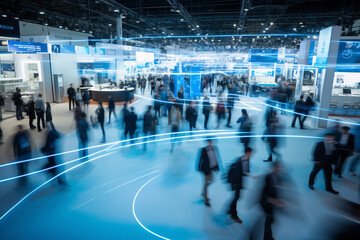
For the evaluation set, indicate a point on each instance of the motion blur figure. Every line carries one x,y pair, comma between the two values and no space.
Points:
323,158
235,177
130,124
245,127
175,125
208,163
230,102
273,129
31,113
48,115
356,159
270,199
83,135
22,151
123,114
149,125
51,148
40,111
206,110
220,110
299,109
111,109
309,106
344,149
101,118
191,115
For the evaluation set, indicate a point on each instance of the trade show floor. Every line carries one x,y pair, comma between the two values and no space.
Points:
125,192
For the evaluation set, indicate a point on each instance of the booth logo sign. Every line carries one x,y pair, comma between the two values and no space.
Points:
7,27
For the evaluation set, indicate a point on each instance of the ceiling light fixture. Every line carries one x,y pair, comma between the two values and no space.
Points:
41,12
116,10
246,9
4,15
271,23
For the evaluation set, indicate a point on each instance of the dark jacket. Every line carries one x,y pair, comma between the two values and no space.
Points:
71,92
299,106
21,143
111,103
190,114
350,145
31,111
236,173
50,145
309,104
149,122
269,191
82,129
130,121
320,154
204,162
48,115
17,98
100,114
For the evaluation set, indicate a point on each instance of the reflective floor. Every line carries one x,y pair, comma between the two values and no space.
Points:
124,192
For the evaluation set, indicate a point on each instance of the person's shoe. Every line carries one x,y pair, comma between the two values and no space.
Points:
39,130
311,187
292,126
236,219
333,191
352,173
207,203
268,160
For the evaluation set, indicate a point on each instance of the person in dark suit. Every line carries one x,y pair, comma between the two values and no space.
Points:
206,110
299,108
323,158
83,135
235,177
130,123
111,109
100,112
345,148
270,198
309,105
71,95
18,102
32,115
22,151
208,163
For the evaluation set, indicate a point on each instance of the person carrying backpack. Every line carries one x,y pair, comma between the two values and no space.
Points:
235,177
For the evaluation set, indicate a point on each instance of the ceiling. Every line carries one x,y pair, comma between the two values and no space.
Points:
190,17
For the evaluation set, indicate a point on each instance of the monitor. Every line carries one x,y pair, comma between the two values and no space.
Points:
346,91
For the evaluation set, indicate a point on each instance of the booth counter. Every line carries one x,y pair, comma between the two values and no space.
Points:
119,95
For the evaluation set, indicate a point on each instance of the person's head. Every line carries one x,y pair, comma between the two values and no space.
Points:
329,137
20,127
132,109
209,141
83,115
345,129
311,95
40,95
301,97
149,108
71,84
244,112
48,105
248,151
18,89
78,89
100,104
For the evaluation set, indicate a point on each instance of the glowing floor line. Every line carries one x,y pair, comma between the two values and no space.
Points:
136,218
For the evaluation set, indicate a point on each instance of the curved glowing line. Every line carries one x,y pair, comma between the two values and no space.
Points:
136,218
76,166
110,149
102,145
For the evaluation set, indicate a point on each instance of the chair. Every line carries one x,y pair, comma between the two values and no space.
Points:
333,106
356,108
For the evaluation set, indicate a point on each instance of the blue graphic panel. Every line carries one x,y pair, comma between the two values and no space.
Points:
348,59
27,47
263,55
195,83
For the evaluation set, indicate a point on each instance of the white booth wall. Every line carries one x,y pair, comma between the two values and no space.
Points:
43,65
66,64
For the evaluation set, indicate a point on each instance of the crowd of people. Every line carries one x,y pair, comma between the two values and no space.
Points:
171,110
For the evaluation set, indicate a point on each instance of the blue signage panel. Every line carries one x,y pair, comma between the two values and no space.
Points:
99,51
67,49
27,47
9,28
323,47
263,55
111,52
195,82
311,53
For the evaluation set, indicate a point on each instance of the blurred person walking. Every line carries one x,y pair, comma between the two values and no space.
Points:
18,102
40,110
235,177
50,149
149,124
209,162
180,101
86,99
48,115
220,110
356,159
78,96
83,135
100,113
272,141
309,106
31,113
207,108
344,149
175,125
299,108
71,96
111,109
191,115
245,127
323,158
130,124
22,151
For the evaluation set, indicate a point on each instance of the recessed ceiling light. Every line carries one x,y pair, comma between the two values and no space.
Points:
83,31
66,28
4,15
234,24
266,29
60,26
16,18
271,23
123,16
137,21
46,24
116,10
41,13
110,24
246,9
294,29
90,32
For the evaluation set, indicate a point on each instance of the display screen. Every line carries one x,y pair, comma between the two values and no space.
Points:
82,50
263,55
144,59
67,49
27,47
348,59
346,91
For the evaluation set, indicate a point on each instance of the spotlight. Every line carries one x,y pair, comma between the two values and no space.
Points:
116,10
4,15
246,9
137,21
271,23
41,13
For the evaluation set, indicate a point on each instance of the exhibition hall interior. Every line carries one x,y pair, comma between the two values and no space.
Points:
180,119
